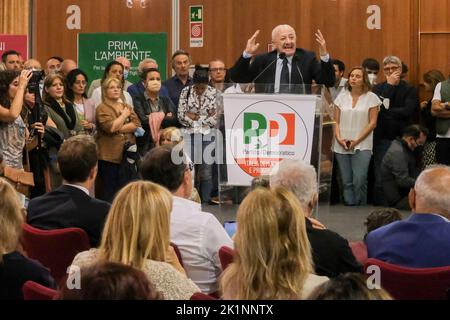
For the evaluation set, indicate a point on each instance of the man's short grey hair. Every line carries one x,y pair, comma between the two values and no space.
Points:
392,59
140,67
298,177
279,28
432,188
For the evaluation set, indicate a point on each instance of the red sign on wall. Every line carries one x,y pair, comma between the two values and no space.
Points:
18,43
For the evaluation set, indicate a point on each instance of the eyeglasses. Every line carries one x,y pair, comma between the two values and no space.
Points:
217,69
391,69
80,82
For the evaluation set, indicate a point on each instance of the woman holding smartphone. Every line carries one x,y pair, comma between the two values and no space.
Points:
356,115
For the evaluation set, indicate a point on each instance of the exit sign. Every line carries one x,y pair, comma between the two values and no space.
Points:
196,13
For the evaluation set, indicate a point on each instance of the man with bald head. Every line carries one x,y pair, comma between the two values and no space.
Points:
66,66
287,69
422,240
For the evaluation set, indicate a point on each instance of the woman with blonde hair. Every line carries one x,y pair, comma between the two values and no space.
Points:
116,125
137,234
15,269
272,252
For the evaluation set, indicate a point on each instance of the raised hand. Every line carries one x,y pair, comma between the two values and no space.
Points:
252,45
25,76
322,43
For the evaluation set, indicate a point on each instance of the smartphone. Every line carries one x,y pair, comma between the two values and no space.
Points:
230,227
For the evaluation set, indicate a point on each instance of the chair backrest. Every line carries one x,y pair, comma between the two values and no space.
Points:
359,250
225,256
55,249
178,253
413,283
201,296
34,291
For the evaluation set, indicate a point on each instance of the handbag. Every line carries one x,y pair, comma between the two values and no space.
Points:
53,137
20,179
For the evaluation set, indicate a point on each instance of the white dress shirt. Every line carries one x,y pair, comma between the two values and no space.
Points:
199,236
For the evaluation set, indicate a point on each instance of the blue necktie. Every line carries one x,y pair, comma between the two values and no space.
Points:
285,77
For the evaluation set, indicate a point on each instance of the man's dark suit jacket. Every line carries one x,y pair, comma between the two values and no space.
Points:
331,253
304,61
403,102
68,207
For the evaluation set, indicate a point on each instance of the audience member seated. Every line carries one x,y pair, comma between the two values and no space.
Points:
423,239
15,268
136,233
198,235
349,286
111,281
399,169
172,136
70,205
381,217
273,256
331,252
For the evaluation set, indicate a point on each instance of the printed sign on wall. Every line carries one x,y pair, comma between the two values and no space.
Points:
196,26
18,43
96,50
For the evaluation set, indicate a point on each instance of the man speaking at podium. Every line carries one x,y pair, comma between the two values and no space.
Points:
286,69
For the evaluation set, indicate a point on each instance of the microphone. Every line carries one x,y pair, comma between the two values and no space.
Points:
282,55
301,75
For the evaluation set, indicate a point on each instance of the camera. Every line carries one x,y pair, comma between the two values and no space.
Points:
33,84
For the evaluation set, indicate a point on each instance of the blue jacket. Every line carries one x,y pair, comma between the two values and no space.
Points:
420,241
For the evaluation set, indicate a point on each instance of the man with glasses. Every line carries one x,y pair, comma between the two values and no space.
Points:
400,100
218,75
398,168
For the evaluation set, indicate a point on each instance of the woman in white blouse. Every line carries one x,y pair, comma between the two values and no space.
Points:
356,117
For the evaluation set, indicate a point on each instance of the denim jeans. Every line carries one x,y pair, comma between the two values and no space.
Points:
380,148
354,169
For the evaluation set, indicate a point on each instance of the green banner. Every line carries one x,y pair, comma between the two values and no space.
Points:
96,50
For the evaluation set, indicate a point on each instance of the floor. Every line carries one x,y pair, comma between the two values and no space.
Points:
347,221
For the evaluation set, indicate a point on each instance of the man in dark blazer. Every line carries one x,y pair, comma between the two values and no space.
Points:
331,253
400,101
71,205
423,239
266,70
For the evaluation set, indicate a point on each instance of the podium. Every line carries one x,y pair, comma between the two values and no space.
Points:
258,130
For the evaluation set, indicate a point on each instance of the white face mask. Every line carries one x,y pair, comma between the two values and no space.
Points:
154,85
372,78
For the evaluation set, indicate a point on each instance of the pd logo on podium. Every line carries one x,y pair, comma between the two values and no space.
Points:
265,133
